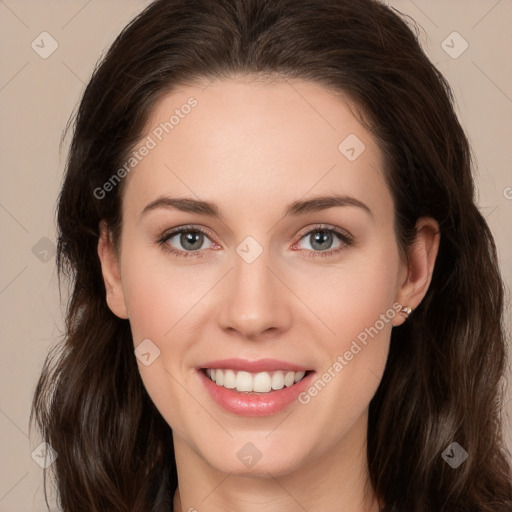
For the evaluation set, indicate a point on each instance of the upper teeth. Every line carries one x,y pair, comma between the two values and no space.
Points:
259,382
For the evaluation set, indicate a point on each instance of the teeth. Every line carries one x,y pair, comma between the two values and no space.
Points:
299,376
289,379
230,378
261,382
278,380
243,381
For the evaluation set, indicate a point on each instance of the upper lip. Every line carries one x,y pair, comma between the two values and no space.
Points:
260,365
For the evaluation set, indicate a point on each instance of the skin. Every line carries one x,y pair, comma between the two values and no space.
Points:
253,148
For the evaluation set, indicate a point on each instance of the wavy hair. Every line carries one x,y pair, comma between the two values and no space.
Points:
442,382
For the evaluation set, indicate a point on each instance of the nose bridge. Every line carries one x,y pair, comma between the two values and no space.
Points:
252,277
255,301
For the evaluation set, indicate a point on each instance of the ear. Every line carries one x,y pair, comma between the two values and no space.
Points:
111,271
420,266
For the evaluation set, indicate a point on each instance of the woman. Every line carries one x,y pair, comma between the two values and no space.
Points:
331,339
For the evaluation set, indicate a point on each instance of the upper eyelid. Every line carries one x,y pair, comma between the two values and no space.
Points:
186,228
323,227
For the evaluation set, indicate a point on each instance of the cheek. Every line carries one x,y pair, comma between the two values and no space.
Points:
350,297
159,294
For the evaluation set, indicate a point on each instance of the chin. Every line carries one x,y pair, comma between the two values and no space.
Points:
250,462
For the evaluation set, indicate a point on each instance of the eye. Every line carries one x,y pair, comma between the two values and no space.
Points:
190,241
320,240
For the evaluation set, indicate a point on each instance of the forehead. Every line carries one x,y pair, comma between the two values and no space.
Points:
234,141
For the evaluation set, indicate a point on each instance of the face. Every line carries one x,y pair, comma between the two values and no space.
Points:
283,288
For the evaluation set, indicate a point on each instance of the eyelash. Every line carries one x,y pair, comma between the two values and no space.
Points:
346,239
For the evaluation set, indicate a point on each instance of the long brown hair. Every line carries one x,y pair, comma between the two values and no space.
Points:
442,381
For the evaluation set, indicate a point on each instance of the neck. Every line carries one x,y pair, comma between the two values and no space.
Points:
336,480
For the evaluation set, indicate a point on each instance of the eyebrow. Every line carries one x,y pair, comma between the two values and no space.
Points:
296,208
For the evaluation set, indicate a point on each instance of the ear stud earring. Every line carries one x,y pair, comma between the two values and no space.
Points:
406,311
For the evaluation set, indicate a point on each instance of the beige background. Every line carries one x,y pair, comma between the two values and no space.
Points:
38,95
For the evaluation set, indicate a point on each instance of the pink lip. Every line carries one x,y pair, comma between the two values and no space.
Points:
245,404
262,365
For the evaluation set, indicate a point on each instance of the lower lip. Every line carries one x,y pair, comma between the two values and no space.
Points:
264,404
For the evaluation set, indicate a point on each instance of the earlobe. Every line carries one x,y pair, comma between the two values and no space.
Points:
111,271
422,256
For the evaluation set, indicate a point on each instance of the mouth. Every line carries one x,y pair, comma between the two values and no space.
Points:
254,387
259,383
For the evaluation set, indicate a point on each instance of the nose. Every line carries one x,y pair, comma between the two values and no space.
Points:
254,301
